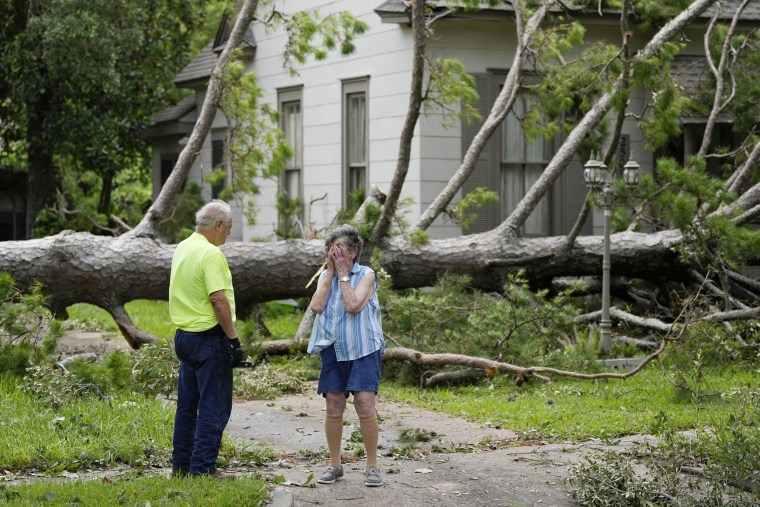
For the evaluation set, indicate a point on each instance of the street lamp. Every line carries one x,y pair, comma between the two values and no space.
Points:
599,182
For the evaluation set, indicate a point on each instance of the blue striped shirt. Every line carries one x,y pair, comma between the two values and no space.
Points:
355,335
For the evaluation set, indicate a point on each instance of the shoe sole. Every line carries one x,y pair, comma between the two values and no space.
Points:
373,484
321,481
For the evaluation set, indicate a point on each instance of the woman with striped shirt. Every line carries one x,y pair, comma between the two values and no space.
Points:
348,336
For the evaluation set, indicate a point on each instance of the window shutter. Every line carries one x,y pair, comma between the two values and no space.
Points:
482,175
570,194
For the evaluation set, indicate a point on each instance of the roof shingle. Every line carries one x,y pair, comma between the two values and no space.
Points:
393,10
199,67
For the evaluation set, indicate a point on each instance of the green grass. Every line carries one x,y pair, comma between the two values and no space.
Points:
283,327
129,428
580,409
139,490
151,316
96,434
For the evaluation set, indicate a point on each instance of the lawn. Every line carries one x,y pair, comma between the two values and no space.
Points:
581,409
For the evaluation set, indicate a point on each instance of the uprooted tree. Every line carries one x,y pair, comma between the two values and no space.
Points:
697,222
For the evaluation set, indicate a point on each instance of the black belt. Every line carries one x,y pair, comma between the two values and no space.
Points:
214,331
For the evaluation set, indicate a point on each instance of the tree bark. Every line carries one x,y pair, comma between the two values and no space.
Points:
43,177
109,272
573,141
407,131
489,365
499,111
164,203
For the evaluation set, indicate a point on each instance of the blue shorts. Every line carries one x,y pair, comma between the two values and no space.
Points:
361,374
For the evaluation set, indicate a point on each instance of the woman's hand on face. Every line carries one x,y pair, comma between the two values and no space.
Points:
340,259
329,264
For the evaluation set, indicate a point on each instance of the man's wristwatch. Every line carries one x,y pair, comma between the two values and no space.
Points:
344,279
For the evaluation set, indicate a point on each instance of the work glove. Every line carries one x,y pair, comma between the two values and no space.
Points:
237,352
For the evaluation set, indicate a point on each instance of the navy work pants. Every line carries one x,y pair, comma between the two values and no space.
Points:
204,399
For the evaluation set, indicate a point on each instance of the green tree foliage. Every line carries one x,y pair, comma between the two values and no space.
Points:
255,146
78,80
517,326
27,333
462,212
312,37
451,86
684,198
569,88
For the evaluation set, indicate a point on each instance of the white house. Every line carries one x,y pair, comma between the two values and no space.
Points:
343,116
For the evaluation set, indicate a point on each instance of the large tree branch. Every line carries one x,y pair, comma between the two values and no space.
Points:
743,208
109,272
726,54
407,131
491,367
171,189
573,141
742,174
499,111
413,356
649,323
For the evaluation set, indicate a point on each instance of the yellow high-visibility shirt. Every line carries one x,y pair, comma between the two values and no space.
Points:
198,269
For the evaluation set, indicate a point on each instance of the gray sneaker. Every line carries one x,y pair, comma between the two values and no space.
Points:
372,478
330,475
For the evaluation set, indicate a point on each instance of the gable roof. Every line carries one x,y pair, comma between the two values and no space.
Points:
176,111
198,70
176,120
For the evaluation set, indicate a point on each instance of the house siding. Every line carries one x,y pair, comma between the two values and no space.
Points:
379,58
383,58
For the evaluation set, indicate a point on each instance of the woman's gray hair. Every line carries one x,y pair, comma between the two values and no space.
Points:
353,240
211,213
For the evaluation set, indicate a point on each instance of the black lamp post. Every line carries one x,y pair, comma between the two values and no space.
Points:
599,182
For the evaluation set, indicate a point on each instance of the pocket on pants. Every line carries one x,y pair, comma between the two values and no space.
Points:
222,351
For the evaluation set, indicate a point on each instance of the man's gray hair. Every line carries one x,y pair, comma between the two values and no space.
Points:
353,240
211,213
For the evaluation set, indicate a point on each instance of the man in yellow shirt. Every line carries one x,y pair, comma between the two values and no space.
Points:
202,306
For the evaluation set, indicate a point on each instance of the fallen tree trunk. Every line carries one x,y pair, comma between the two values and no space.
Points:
109,272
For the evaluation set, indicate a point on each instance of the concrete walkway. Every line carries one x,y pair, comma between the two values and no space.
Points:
491,467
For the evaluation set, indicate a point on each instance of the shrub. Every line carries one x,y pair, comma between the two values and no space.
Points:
518,325
56,388
156,368
27,331
722,461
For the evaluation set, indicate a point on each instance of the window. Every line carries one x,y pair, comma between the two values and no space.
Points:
355,137
217,161
521,164
290,203
510,167
168,161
